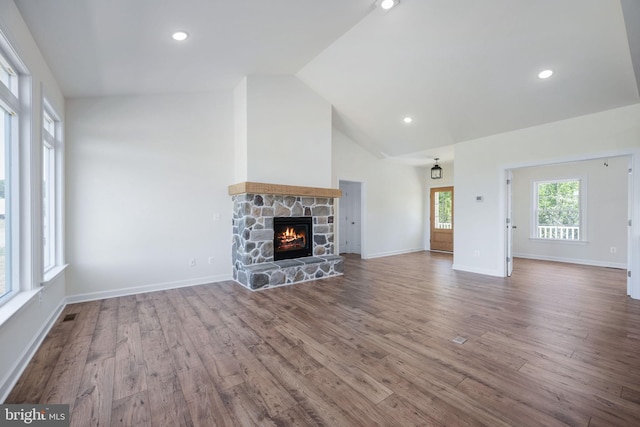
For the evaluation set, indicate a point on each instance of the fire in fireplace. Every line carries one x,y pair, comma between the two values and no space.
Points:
292,237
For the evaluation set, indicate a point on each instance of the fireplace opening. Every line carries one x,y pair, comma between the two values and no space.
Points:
292,237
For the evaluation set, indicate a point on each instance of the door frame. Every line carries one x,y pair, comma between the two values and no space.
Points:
431,210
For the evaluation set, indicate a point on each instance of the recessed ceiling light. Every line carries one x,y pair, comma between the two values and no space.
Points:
545,74
407,120
179,36
388,4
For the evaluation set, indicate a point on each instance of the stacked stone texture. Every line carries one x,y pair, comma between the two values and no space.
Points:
253,237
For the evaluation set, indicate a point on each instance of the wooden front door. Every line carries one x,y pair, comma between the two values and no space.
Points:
442,219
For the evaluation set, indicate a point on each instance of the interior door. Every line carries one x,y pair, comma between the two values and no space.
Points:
350,218
510,225
441,219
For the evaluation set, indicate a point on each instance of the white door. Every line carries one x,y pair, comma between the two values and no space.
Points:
509,224
349,218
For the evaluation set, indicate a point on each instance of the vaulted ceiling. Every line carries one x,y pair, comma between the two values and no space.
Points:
461,69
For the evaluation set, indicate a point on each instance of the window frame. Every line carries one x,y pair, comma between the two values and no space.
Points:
49,168
582,200
12,98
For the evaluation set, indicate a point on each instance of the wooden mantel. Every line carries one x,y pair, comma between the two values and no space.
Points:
283,190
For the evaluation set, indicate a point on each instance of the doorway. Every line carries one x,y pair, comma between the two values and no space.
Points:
593,225
441,219
350,218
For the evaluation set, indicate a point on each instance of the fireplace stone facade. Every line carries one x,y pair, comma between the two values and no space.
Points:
253,232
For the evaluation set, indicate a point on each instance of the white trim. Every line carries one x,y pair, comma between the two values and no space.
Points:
10,380
594,263
92,296
485,271
391,253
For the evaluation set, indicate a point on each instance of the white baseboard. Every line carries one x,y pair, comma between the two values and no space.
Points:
92,296
7,383
391,253
484,271
594,263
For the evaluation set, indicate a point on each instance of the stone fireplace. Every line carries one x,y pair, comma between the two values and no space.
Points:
283,234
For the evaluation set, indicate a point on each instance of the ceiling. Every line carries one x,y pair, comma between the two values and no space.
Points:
462,69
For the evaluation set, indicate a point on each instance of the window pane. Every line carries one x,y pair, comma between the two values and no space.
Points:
48,198
5,138
8,77
558,215
49,124
443,210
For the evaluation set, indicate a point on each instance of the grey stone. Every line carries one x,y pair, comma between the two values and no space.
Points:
321,211
268,211
268,222
310,269
338,267
322,201
259,280
285,263
288,201
267,249
269,199
319,274
319,250
330,219
319,239
258,200
244,208
242,278
258,235
277,278
321,229
307,211
296,209
281,210
298,277
307,201
310,260
249,246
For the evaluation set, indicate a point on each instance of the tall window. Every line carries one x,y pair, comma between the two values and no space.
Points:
558,210
50,147
9,109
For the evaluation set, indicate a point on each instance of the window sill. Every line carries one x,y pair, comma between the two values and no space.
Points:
15,304
559,241
53,274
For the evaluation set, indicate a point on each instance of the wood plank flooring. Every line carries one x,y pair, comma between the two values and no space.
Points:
554,345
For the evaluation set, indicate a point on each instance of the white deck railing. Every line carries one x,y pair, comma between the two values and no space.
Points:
558,232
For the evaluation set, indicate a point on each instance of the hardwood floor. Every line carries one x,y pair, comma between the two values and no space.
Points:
554,345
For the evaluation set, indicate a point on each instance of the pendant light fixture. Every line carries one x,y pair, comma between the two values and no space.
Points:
436,171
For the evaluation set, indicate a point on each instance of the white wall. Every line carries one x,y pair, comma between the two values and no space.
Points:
393,211
288,132
147,181
22,332
605,214
481,165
